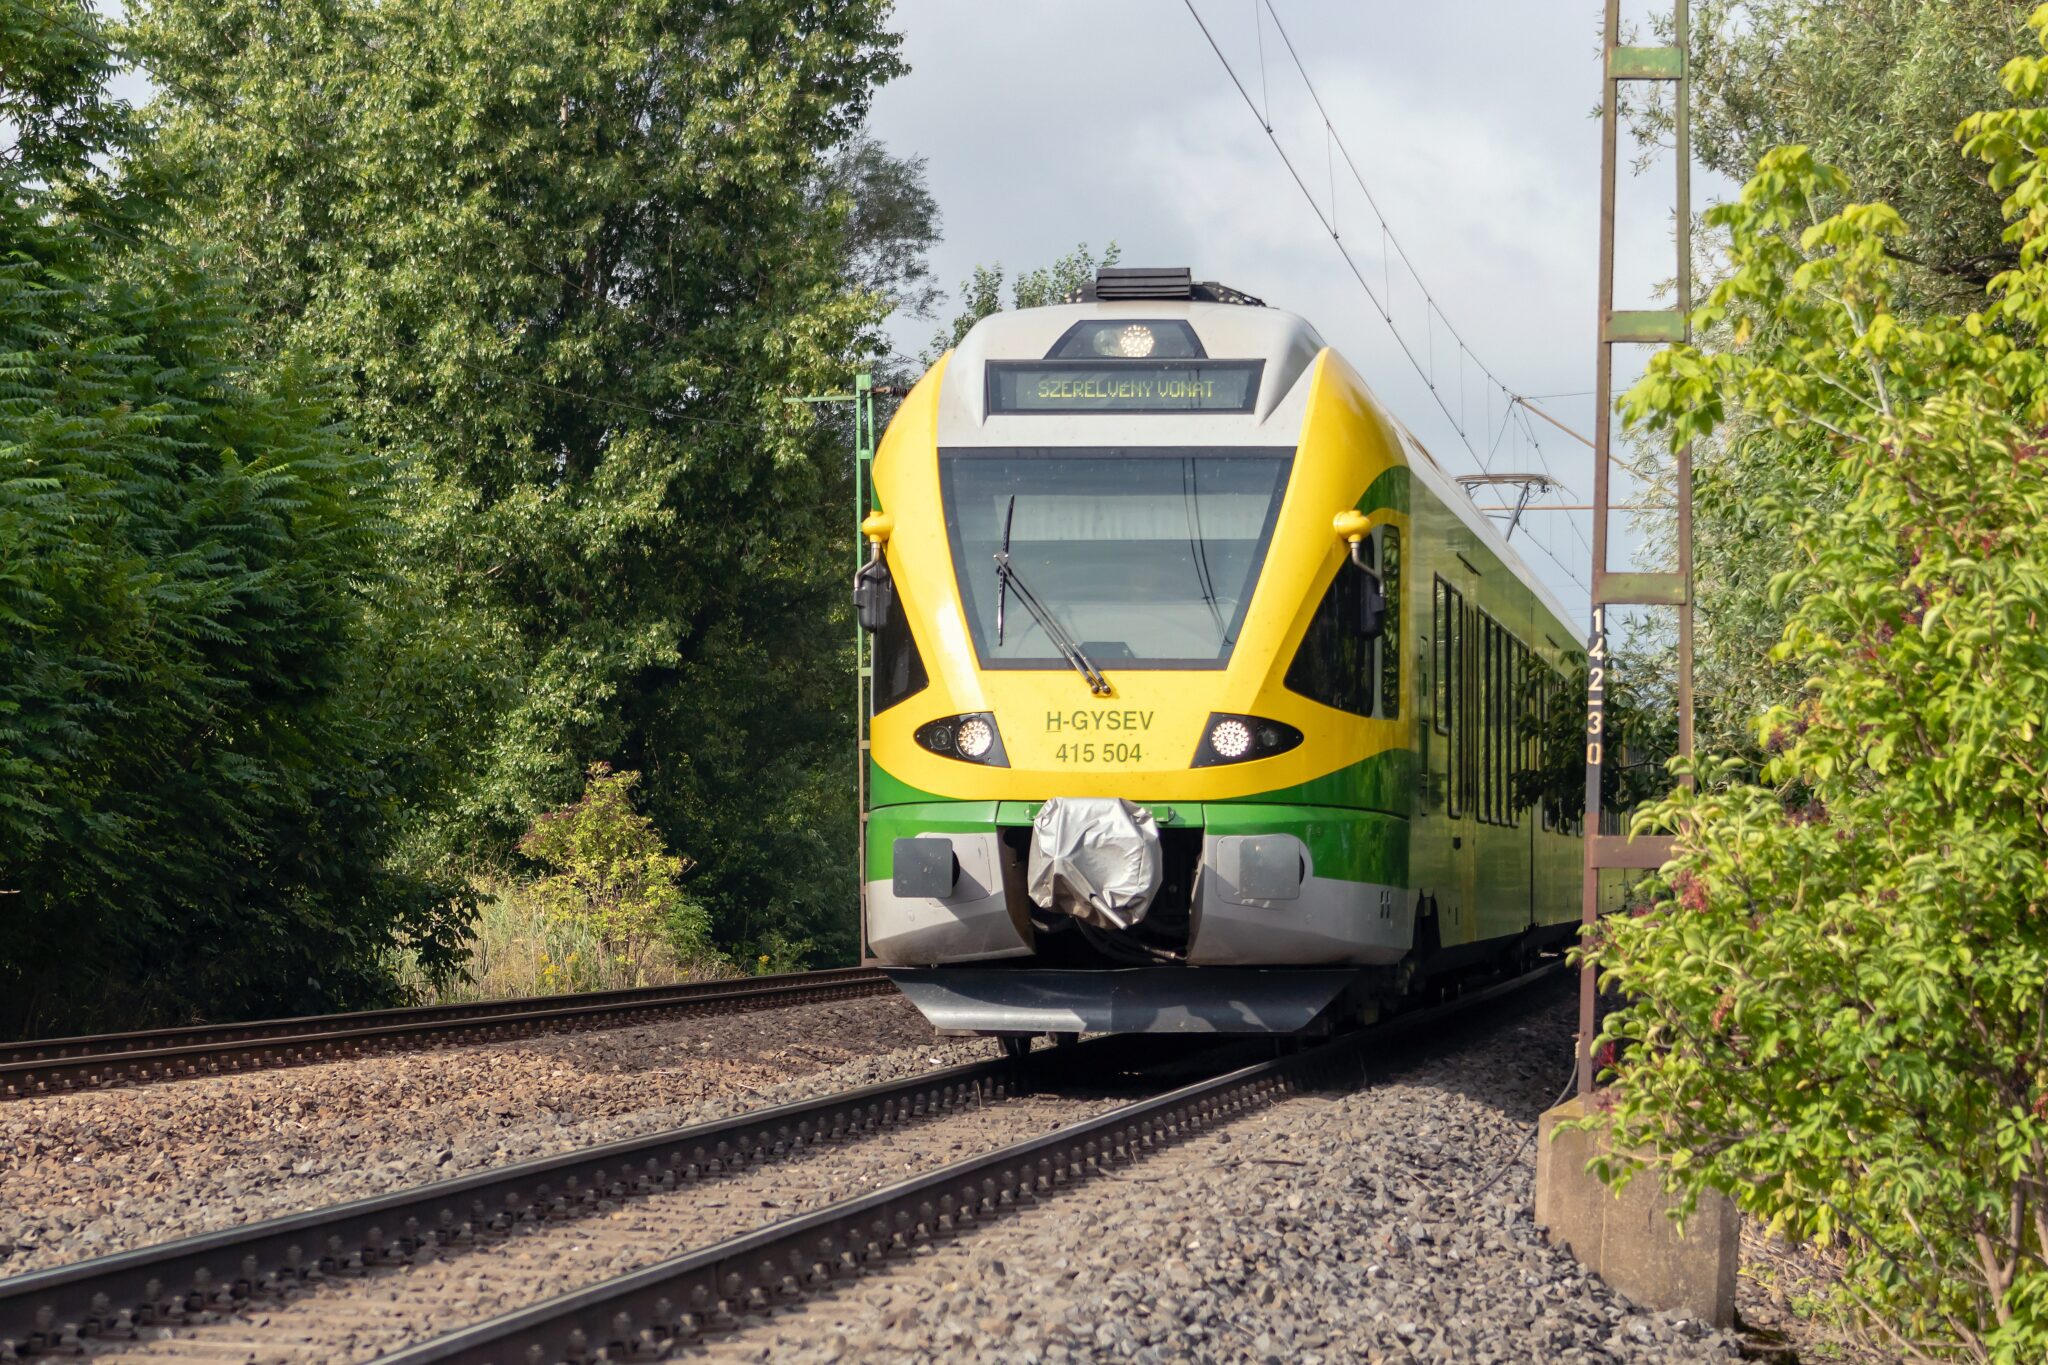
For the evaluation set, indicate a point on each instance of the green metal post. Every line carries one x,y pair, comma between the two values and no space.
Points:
864,437
863,656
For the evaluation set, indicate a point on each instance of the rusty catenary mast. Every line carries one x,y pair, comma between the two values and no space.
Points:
1674,589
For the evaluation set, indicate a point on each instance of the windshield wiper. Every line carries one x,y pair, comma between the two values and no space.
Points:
1002,566
1006,578
1198,547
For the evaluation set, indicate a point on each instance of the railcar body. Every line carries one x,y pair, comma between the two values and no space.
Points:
1123,639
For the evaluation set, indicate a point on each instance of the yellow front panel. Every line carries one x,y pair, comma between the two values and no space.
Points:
1138,741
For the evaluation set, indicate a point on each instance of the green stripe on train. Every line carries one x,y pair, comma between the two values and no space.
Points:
1383,782
1347,845
1350,845
886,789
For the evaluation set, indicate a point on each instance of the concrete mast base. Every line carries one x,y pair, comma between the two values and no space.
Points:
1629,1239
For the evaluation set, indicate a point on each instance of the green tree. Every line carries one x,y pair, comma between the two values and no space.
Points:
55,62
1836,1005
569,260
195,815
981,293
1875,89
610,874
892,223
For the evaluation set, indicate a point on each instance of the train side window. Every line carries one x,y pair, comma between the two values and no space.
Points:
1518,740
1468,703
1544,687
1491,780
1446,655
1371,551
1454,678
1503,654
898,667
1503,663
1511,728
1390,640
1485,718
1532,750
1510,655
1510,733
1509,646
1541,701
1334,663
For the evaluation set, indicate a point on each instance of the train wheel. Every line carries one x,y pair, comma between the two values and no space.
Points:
1016,1046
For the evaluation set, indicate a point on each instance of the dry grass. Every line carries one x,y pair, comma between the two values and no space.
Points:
1787,1307
519,950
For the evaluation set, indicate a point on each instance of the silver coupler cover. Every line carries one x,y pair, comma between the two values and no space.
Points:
1095,858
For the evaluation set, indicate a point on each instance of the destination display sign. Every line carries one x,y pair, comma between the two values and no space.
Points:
1123,385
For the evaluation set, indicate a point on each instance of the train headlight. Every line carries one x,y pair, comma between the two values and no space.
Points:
974,738
1132,339
971,738
1134,342
1240,739
1231,739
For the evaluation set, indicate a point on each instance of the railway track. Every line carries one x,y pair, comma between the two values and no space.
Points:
54,1065
517,1232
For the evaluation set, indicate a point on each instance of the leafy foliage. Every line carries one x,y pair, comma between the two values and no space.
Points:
1837,1000
55,62
892,223
981,294
569,259
194,812
1875,89
611,875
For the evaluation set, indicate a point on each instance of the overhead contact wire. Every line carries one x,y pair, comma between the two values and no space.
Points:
1386,230
1386,316
1390,247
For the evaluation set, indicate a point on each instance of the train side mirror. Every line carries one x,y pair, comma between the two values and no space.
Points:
1372,605
1352,527
874,591
874,595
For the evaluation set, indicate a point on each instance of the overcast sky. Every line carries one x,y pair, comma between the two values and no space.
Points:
1052,122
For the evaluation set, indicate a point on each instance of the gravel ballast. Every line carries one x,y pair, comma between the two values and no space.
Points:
1358,1227
1390,1224
359,1319
92,1173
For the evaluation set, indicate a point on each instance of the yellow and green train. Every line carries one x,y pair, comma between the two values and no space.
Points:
1198,689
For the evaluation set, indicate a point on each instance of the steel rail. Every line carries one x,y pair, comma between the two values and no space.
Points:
60,1064
44,1049
55,1310
646,1314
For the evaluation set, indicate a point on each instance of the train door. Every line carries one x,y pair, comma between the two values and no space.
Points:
1504,870
1498,876
1528,669
1447,867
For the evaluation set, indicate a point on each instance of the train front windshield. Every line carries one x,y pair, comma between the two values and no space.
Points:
1146,558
